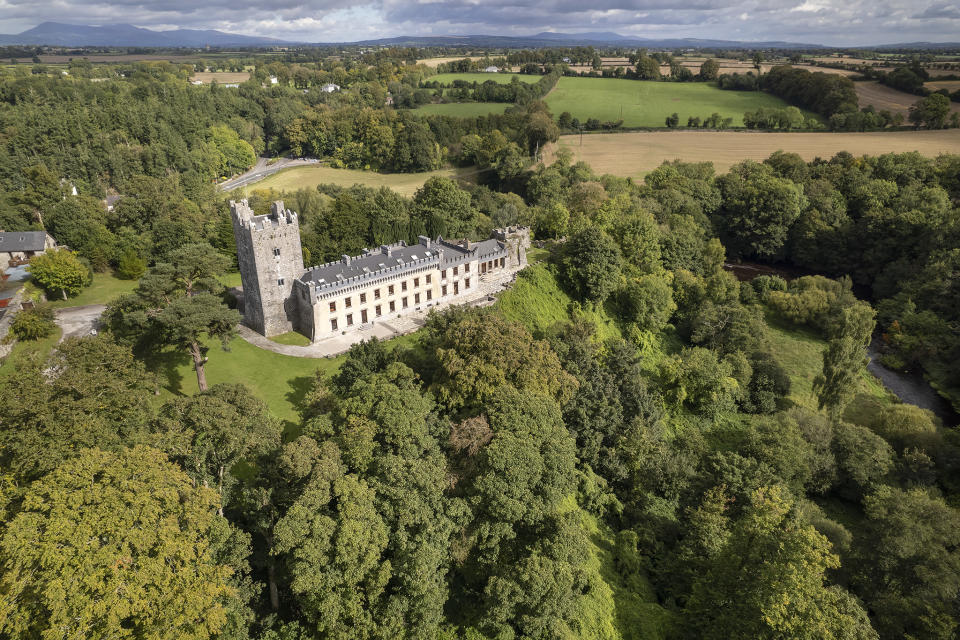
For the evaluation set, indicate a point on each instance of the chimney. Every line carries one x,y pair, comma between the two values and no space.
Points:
345,259
387,251
277,208
424,240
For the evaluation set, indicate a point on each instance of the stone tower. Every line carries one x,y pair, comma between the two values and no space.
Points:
517,240
270,257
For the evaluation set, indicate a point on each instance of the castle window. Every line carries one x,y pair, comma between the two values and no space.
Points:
349,319
428,279
403,286
443,274
363,316
405,305
455,270
333,325
443,290
456,288
363,298
377,311
280,282
429,294
347,303
416,282
393,306
276,252
376,294
466,283
416,298
466,268
333,307
390,290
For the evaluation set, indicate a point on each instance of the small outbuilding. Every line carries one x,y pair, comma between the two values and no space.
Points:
491,69
330,87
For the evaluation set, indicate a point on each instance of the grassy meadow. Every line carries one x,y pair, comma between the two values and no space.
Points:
499,78
647,104
308,177
462,109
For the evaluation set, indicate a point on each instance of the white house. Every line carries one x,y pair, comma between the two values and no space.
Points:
273,80
491,69
330,87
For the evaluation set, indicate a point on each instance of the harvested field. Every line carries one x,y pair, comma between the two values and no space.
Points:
949,85
635,154
433,62
222,77
883,97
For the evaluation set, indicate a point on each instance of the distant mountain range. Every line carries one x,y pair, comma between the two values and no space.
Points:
127,35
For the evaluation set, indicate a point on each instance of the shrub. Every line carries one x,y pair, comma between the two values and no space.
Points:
33,324
130,266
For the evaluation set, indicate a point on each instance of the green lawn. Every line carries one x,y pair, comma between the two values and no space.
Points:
462,109
499,78
105,287
291,338
26,348
647,104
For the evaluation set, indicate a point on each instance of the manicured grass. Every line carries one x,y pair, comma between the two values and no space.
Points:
291,338
27,348
310,176
105,288
231,279
280,381
499,78
647,104
462,109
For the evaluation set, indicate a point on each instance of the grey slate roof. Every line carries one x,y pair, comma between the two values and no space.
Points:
371,262
11,241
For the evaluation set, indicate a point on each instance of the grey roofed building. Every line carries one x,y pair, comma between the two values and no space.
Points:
22,241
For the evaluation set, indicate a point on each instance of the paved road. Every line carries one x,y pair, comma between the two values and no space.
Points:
77,322
261,170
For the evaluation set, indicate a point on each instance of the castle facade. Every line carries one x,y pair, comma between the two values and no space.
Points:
281,295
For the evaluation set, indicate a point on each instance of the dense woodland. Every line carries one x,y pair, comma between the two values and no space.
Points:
615,450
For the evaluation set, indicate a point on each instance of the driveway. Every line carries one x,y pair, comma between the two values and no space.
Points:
261,170
77,322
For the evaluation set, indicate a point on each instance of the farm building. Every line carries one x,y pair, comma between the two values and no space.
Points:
330,87
491,69
17,247
391,281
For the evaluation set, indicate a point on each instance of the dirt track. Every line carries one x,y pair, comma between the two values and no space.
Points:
635,154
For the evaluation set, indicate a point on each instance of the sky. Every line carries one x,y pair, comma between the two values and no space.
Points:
829,22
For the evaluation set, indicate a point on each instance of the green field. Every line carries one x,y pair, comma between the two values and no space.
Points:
647,104
104,288
463,109
499,78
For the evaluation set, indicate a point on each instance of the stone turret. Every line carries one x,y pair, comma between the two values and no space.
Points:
270,259
517,240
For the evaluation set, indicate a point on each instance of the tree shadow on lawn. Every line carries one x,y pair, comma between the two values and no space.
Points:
300,386
167,365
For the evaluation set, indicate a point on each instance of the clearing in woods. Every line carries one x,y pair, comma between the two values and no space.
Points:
635,154
462,109
883,97
647,104
308,177
222,77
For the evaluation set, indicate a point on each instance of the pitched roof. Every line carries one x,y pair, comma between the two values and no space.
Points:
11,241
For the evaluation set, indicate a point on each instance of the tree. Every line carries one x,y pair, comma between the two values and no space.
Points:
445,209
211,432
110,543
931,112
648,68
768,581
176,304
60,270
909,572
591,265
33,324
758,209
673,120
710,69
845,357
91,392
647,301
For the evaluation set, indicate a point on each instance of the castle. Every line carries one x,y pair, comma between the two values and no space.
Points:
281,295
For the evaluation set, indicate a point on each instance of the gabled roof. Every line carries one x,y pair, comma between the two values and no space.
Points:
11,241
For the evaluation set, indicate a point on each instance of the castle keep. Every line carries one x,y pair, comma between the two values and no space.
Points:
281,295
